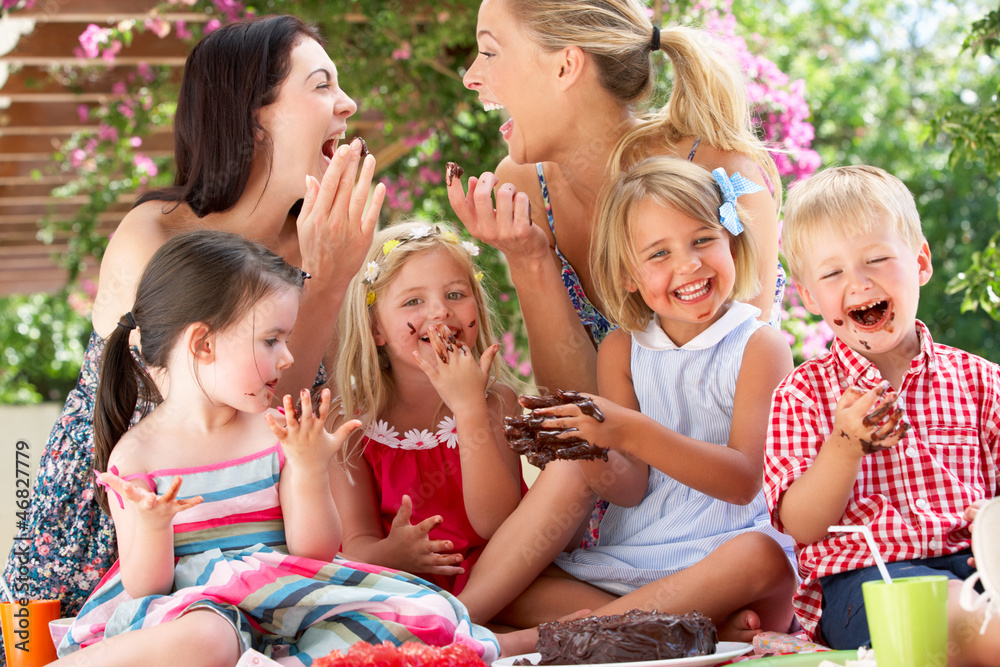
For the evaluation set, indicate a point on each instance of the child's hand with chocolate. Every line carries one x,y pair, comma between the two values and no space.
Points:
458,377
552,430
867,422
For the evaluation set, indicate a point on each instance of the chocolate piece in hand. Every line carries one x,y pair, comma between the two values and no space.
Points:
452,169
526,435
364,148
633,636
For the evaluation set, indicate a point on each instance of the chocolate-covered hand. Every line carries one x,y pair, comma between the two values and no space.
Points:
862,427
552,430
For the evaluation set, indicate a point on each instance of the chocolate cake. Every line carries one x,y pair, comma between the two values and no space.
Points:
630,637
526,435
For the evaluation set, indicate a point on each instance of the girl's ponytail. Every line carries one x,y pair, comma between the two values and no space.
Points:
124,384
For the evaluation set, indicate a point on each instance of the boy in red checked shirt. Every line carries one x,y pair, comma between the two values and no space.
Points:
889,429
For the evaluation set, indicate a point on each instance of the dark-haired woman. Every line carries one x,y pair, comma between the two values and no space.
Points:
258,121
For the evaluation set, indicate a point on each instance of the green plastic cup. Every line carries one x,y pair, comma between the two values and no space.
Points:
908,621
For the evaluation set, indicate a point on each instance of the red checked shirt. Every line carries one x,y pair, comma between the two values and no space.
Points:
912,496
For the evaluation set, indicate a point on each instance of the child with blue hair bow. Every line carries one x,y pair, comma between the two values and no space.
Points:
685,386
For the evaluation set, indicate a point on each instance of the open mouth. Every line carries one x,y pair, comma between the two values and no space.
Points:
693,291
330,145
870,315
450,335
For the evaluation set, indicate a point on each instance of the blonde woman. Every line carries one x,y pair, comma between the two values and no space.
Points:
574,76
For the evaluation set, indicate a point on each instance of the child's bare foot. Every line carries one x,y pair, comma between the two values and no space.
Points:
740,626
517,642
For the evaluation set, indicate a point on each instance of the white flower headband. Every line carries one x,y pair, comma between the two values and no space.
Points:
373,268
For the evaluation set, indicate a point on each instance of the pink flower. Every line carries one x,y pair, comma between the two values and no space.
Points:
125,109
159,26
135,142
106,133
212,26
119,88
92,38
82,112
146,72
403,52
113,49
145,164
76,158
182,30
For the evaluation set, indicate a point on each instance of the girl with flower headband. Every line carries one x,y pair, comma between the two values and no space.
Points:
685,385
431,476
226,523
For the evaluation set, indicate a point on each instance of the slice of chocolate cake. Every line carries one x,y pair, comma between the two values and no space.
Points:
630,637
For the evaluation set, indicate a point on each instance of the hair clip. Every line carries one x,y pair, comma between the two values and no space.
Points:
732,187
305,276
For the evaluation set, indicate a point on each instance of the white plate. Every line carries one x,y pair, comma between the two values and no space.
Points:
723,651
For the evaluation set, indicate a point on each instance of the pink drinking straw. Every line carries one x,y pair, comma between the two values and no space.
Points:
870,539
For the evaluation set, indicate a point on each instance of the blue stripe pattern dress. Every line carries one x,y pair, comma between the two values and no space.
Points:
690,390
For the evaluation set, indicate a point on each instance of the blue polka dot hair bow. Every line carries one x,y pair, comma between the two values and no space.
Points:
732,187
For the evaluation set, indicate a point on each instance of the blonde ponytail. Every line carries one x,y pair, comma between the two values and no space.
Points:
708,100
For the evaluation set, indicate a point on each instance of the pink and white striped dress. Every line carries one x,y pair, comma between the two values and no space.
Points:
231,557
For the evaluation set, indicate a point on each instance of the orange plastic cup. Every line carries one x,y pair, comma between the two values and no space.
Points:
26,638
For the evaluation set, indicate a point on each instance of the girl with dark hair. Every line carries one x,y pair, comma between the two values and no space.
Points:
258,123
246,556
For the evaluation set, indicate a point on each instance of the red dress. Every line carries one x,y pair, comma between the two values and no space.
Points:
425,466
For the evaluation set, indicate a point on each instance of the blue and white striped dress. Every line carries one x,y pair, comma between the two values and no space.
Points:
690,390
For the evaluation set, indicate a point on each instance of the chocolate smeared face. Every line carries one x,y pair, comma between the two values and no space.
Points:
866,284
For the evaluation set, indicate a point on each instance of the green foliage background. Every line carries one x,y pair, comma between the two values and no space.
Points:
907,85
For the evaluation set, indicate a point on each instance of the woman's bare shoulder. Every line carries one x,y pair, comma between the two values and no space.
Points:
710,157
139,235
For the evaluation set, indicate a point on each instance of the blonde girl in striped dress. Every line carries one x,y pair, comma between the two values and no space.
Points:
226,524
685,385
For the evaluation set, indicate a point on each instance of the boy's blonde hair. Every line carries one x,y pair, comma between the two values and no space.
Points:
364,374
672,183
708,96
848,200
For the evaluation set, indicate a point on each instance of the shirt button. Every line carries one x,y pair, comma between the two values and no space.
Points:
911,451
870,373
922,503
933,544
